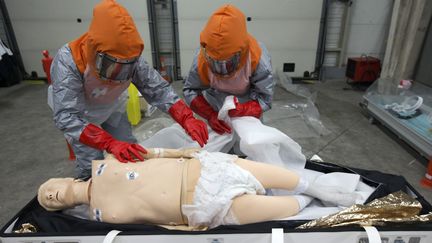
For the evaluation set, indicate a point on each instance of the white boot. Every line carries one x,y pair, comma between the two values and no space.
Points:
331,196
335,188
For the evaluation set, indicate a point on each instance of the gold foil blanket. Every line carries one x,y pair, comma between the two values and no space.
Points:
397,207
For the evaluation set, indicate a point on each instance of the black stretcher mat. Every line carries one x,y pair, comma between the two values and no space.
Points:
51,224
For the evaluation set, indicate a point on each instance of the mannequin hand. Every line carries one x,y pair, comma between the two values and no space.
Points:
126,152
250,108
98,138
218,126
189,152
196,129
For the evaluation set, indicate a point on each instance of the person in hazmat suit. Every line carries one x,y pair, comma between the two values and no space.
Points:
90,79
229,62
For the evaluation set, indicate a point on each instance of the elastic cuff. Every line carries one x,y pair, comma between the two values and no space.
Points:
302,186
302,200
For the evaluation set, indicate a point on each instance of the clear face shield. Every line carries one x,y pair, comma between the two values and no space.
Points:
223,67
114,69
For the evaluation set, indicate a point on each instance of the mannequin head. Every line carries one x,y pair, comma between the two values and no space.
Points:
60,193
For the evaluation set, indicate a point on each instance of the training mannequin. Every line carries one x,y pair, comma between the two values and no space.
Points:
185,187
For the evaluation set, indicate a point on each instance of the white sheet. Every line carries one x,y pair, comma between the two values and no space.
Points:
257,141
263,143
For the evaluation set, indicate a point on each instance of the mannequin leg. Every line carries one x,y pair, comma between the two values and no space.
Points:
276,177
257,208
270,176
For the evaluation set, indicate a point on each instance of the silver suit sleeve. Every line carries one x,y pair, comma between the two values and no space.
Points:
192,84
155,89
262,81
68,94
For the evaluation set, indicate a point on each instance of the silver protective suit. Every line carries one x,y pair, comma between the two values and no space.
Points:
261,85
73,111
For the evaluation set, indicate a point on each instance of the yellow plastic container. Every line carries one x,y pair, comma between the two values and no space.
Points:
133,105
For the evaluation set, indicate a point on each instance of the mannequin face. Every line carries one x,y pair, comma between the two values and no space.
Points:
57,193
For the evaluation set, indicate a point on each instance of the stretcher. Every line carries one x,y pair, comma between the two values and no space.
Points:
57,227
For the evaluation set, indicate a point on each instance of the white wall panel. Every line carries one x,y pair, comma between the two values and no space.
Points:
49,24
164,27
288,28
367,39
334,31
369,26
334,24
331,59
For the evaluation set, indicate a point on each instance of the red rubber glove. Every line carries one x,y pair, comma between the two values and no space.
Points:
203,108
195,128
250,108
98,138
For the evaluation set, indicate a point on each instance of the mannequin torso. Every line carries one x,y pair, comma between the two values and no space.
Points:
149,191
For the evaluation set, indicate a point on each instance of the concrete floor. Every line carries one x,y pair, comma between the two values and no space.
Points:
33,150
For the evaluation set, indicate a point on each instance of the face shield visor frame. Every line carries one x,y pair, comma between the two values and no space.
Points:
113,69
225,67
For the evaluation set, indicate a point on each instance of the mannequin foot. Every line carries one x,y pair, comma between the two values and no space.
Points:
331,196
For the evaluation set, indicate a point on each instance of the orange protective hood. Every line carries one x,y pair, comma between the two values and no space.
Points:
112,31
224,35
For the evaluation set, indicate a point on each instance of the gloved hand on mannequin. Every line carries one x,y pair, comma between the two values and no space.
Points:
250,108
195,128
203,108
98,138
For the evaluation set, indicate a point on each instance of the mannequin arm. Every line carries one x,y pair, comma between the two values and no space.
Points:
165,153
170,153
